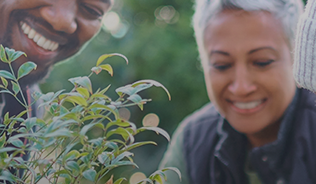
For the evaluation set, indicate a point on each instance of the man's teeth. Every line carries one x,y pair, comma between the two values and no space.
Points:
248,105
39,39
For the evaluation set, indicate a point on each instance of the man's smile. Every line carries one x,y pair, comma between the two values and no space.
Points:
39,39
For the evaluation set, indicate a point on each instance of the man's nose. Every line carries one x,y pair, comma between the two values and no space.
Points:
242,83
61,15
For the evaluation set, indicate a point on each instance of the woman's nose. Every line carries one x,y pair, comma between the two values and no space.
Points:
61,15
242,84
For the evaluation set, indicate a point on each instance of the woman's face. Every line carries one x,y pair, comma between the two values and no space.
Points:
249,69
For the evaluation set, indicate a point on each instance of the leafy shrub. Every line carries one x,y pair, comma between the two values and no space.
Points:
58,146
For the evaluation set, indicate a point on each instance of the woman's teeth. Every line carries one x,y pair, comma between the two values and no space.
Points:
247,105
39,39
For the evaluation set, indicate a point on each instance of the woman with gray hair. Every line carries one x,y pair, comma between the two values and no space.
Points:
258,128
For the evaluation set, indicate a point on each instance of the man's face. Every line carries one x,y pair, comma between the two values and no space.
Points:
249,71
49,31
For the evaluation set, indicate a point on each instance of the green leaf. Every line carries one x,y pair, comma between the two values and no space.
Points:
83,81
96,69
145,181
105,89
138,144
157,130
119,181
8,149
6,175
6,75
2,140
72,155
83,91
104,56
89,174
3,55
13,55
118,123
97,142
135,98
172,169
72,165
128,89
26,68
30,123
105,107
78,100
158,178
104,158
122,132
107,68
123,163
60,133
86,128
112,145
155,83
17,142
15,87
4,82
121,156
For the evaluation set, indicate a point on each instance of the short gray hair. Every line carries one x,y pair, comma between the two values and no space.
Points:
286,11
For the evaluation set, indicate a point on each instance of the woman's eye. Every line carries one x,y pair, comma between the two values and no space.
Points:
263,63
92,11
221,67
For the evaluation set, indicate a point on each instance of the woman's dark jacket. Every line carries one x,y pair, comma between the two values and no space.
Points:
214,153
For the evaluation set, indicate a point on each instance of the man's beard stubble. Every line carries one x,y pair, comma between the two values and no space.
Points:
29,79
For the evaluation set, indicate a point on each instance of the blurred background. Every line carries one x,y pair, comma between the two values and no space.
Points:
157,38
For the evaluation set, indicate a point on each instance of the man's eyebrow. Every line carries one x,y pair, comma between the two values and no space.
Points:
261,48
219,52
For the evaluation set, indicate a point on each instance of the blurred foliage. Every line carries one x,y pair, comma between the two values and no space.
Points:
165,52
58,147
157,49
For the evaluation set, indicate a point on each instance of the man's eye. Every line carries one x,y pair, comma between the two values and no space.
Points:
221,67
263,63
92,11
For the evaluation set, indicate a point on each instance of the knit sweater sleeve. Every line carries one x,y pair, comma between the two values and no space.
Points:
305,48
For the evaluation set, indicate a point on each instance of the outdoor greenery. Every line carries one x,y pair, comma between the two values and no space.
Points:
59,147
165,52
161,50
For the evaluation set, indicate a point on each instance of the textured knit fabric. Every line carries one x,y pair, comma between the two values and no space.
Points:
305,49
210,151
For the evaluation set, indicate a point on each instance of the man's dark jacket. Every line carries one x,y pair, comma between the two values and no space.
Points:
215,153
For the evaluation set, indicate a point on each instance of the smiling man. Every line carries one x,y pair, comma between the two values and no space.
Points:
48,31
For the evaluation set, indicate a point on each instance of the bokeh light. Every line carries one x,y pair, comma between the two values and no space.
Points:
151,120
113,24
166,15
136,177
125,113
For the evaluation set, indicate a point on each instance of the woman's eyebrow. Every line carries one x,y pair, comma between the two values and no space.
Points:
262,48
219,52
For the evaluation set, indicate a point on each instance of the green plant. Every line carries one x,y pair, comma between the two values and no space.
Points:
58,146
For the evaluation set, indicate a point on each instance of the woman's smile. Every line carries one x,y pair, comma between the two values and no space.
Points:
247,107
